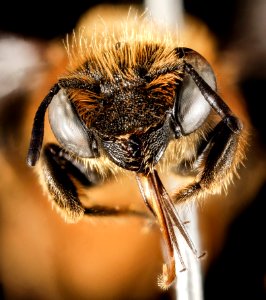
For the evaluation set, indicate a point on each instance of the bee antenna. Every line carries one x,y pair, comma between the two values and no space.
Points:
38,127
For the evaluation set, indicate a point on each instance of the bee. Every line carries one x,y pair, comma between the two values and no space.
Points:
136,103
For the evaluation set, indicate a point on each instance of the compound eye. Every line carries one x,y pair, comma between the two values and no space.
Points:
68,129
191,108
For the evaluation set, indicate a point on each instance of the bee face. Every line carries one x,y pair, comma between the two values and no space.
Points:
126,103
131,109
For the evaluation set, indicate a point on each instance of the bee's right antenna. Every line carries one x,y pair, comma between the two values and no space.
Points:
38,128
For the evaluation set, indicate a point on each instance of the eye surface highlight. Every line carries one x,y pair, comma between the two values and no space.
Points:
192,107
67,127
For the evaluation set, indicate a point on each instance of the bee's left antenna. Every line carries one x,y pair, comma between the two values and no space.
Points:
38,128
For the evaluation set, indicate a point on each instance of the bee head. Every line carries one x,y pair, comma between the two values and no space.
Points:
131,115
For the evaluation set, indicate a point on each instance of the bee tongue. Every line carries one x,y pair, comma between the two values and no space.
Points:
160,204
149,188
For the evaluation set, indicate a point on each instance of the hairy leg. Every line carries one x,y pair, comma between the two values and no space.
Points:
219,159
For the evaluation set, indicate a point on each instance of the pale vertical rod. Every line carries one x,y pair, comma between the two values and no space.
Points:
189,283
169,13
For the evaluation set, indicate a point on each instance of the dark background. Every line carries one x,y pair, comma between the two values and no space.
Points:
229,277
49,19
